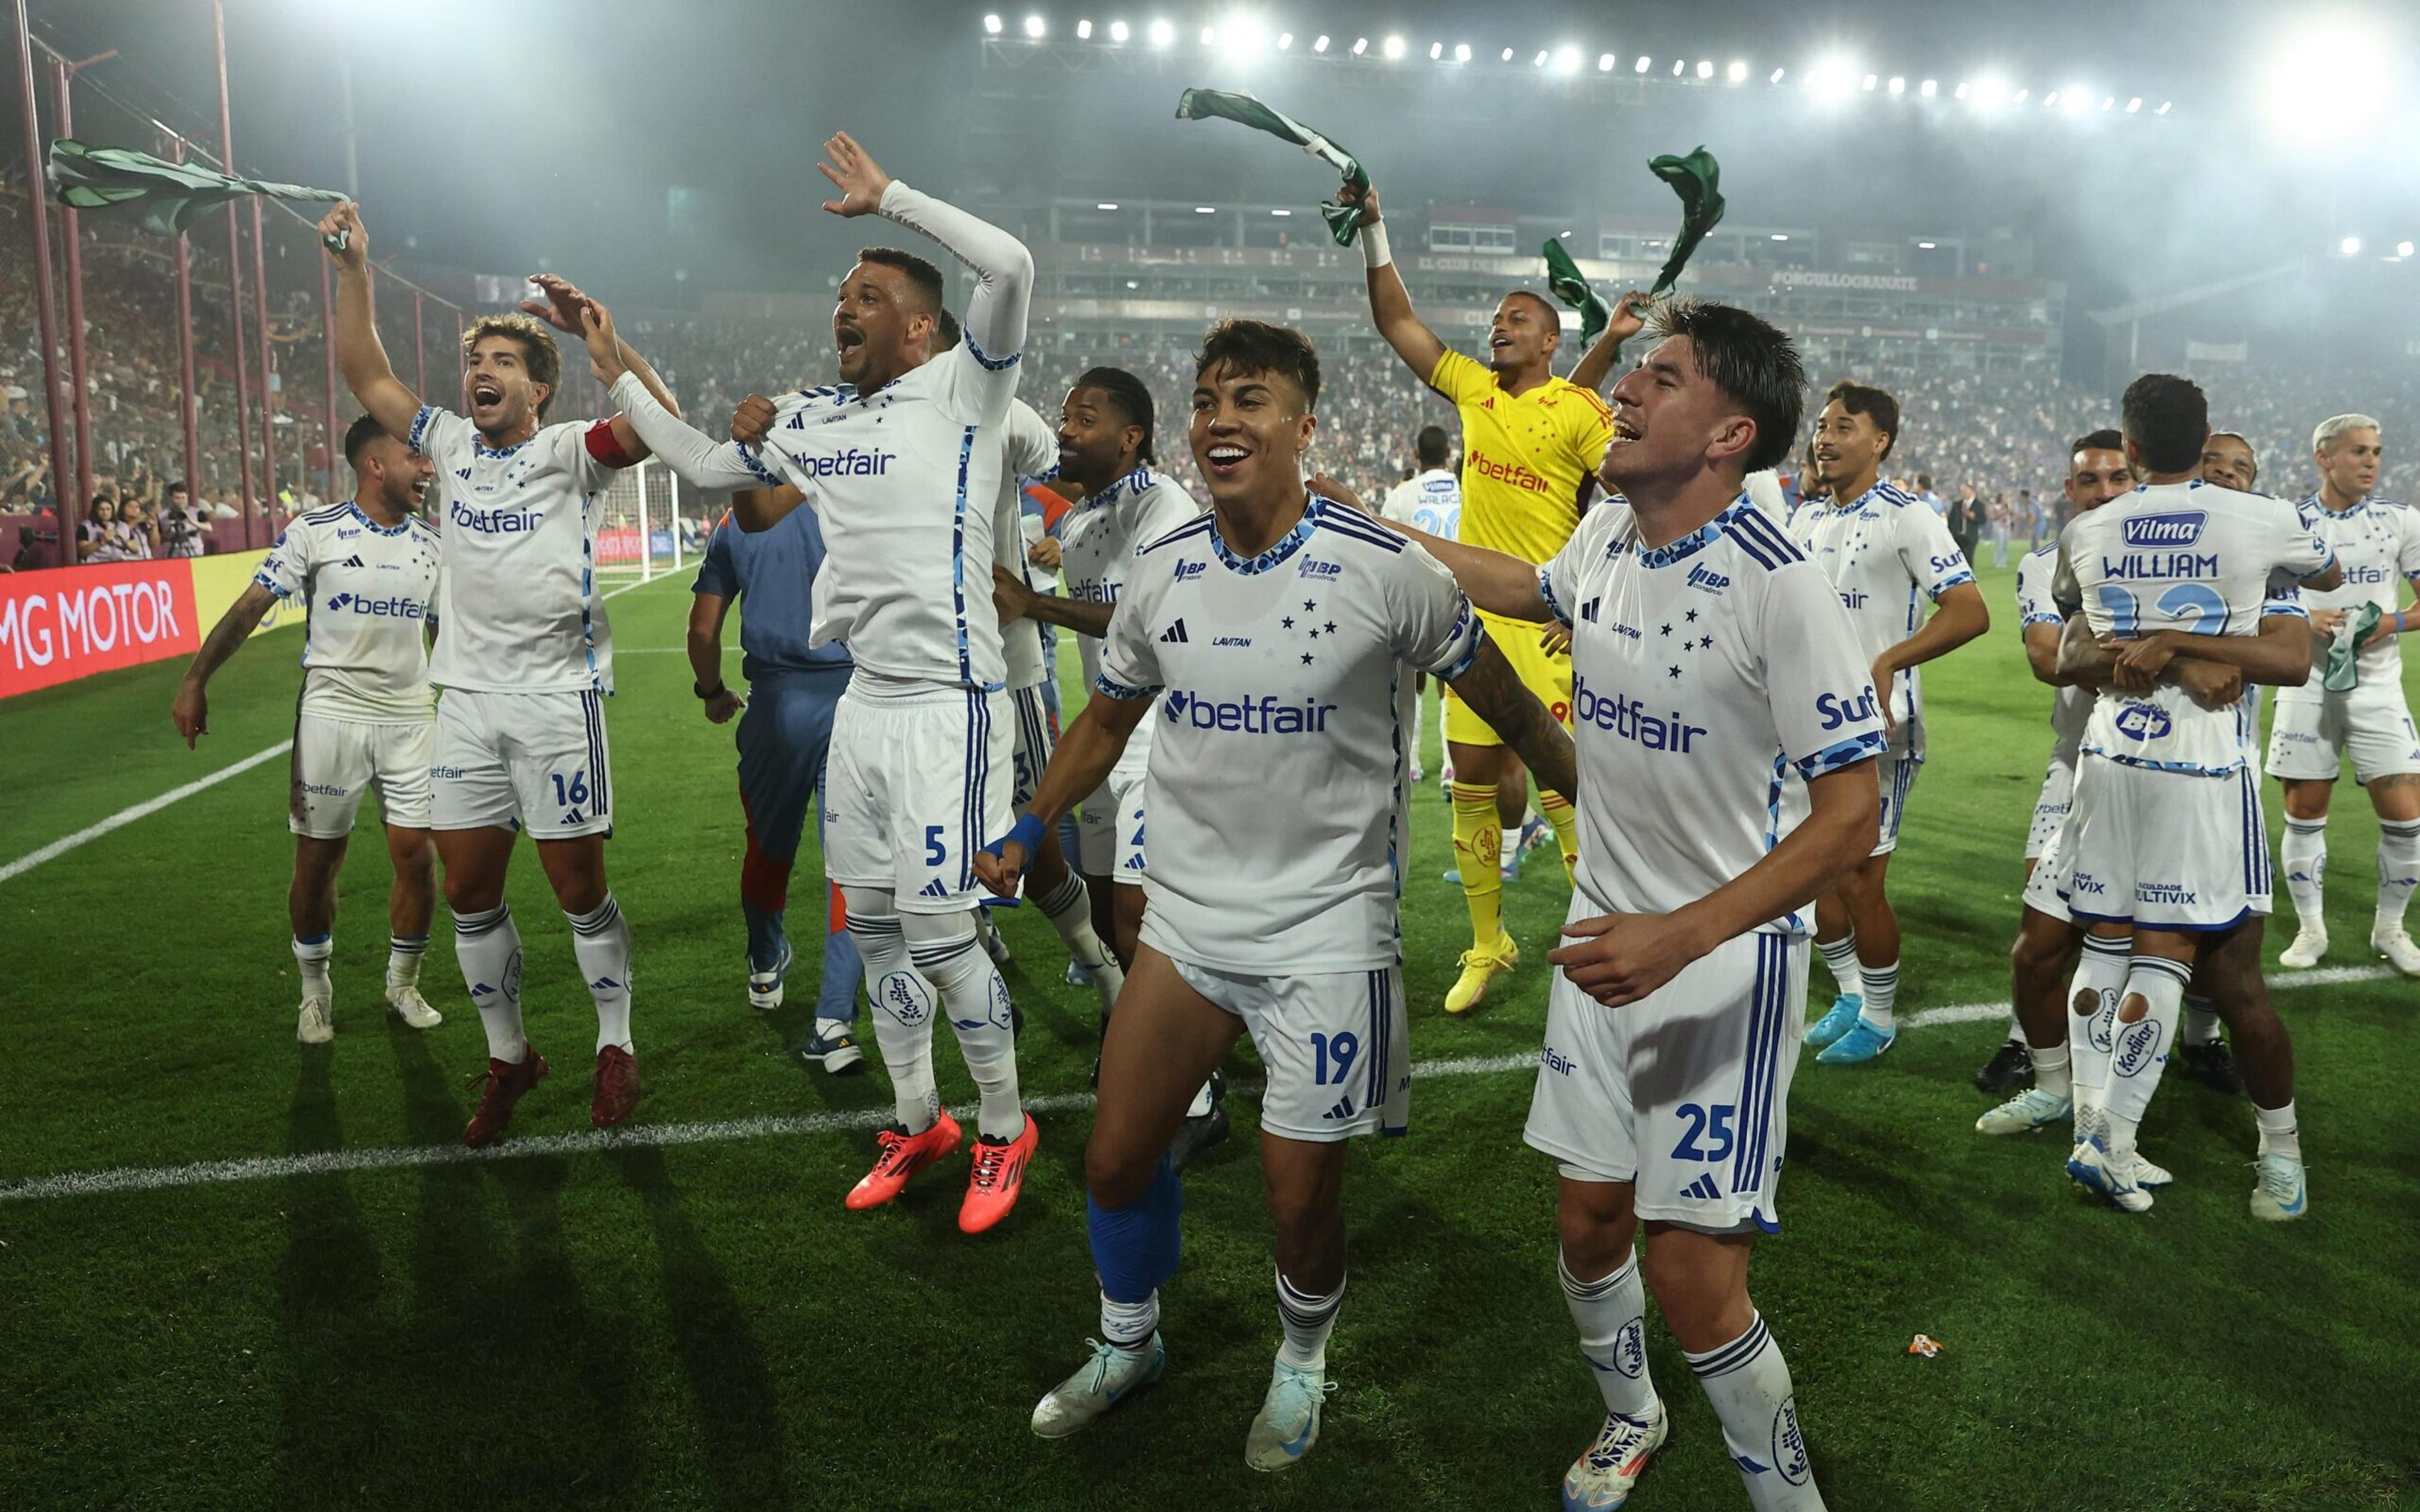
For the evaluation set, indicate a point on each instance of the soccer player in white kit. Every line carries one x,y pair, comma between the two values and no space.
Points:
2164,837
902,463
1885,551
1710,660
366,572
526,661
1273,636
1430,501
2318,726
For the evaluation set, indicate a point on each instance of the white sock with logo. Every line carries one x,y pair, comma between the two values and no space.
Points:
2138,1051
600,942
1612,1315
2399,873
2304,853
2091,1010
488,948
2278,1134
2200,1023
945,952
1747,1383
904,1007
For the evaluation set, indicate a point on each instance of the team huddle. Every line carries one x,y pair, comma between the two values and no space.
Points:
1714,687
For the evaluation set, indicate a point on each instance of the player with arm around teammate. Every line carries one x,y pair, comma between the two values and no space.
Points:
366,573
1273,636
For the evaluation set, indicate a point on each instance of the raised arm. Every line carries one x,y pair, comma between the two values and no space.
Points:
690,452
359,351
1003,269
192,709
1390,303
1596,363
561,309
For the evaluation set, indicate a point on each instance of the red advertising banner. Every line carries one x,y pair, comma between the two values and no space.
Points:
68,622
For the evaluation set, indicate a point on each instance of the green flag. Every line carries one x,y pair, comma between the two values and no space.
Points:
167,197
2343,673
1696,178
1343,220
1564,279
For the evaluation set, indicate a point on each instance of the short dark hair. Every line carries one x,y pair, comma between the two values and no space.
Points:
358,438
927,277
1431,446
1865,399
1751,361
1255,347
178,486
2166,420
1924,480
538,351
1554,316
1128,393
947,333
2103,439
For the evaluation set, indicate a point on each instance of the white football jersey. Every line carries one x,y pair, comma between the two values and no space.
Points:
2378,540
1703,672
1098,541
1032,451
2190,556
519,597
2036,604
1276,783
1883,554
368,594
1431,502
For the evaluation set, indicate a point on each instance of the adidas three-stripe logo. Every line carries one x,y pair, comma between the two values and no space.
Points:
1344,1108
1703,1189
1174,635
933,889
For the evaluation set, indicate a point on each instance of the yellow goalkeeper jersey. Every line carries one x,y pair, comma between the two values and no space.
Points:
1523,457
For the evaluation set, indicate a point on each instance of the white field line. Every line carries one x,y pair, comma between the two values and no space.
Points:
663,1136
126,816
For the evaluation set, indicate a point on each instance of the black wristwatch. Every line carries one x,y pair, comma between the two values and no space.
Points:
708,693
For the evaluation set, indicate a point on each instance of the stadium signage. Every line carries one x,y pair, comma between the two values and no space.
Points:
1804,278
70,623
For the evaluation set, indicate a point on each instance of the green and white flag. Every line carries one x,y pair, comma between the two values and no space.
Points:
1343,220
167,197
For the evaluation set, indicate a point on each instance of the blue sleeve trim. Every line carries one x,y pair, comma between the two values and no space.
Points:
763,474
1467,630
992,363
263,580
419,420
2039,618
1110,688
1864,747
1546,592
1947,583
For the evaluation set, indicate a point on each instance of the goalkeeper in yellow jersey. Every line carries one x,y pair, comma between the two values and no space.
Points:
1530,445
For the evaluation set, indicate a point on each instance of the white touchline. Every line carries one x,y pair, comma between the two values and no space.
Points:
126,816
663,1136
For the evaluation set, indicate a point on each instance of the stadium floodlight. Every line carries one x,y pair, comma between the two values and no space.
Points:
1281,214
1898,85
1737,73
1677,67
1244,36
1036,27
2165,105
1209,35
1832,79
1462,51
1928,88
1643,63
1205,210
1508,54
1780,236
1285,42
2329,83
1084,30
1361,45
1162,34
1319,44
1106,205
1564,235
2076,99
2108,101
1604,63
1705,69
2134,106
1567,60
2403,249
1540,61
1436,50
1394,47
1963,88
2350,246
1926,246
1871,80
2019,98
2049,101
991,25
1777,75
1118,32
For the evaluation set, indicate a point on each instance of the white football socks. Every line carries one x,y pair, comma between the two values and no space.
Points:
1841,958
1747,1383
2278,1134
1880,985
311,964
902,1008
488,948
1129,1325
2138,1050
2091,1011
2051,1072
1611,1316
2399,873
600,942
2200,1024
404,953
2304,853
1307,1319
946,953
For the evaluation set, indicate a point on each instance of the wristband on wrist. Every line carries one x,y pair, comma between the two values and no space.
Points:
1374,255
1027,832
705,692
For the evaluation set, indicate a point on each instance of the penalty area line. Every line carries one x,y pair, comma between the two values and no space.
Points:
671,1135
125,816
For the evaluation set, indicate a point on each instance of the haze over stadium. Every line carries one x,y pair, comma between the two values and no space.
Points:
2046,363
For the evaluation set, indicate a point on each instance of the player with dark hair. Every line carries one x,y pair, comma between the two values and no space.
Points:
1431,501
1272,636
1885,551
1710,655
366,574
1530,444
526,661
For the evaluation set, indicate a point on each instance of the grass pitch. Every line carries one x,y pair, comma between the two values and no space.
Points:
698,1323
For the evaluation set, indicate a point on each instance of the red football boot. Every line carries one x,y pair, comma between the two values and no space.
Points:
999,1176
507,1082
902,1155
618,1086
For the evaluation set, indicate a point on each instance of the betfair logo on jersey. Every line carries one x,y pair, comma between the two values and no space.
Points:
1556,1061
1707,578
1853,598
398,607
1264,715
2144,721
494,521
2181,529
1190,569
1319,569
1832,709
1515,473
1631,720
855,462
2366,575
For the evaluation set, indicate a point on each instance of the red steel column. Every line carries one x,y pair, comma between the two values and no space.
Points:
80,392
268,377
185,413
234,295
37,198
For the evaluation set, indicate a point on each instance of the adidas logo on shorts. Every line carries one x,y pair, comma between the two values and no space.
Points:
933,889
1344,1108
1703,1189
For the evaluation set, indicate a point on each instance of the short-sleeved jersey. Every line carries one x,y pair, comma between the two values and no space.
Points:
2071,708
2189,557
1032,451
2378,541
1431,502
908,481
1523,457
1098,541
1884,554
518,598
774,571
1704,672
369,593
1276,783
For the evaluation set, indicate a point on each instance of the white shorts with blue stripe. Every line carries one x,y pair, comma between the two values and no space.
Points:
1683,1096
1334,1045
534,761
1037,733
916,782
2177,851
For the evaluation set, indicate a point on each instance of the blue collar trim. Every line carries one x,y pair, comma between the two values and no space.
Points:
1696,540
1287,545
